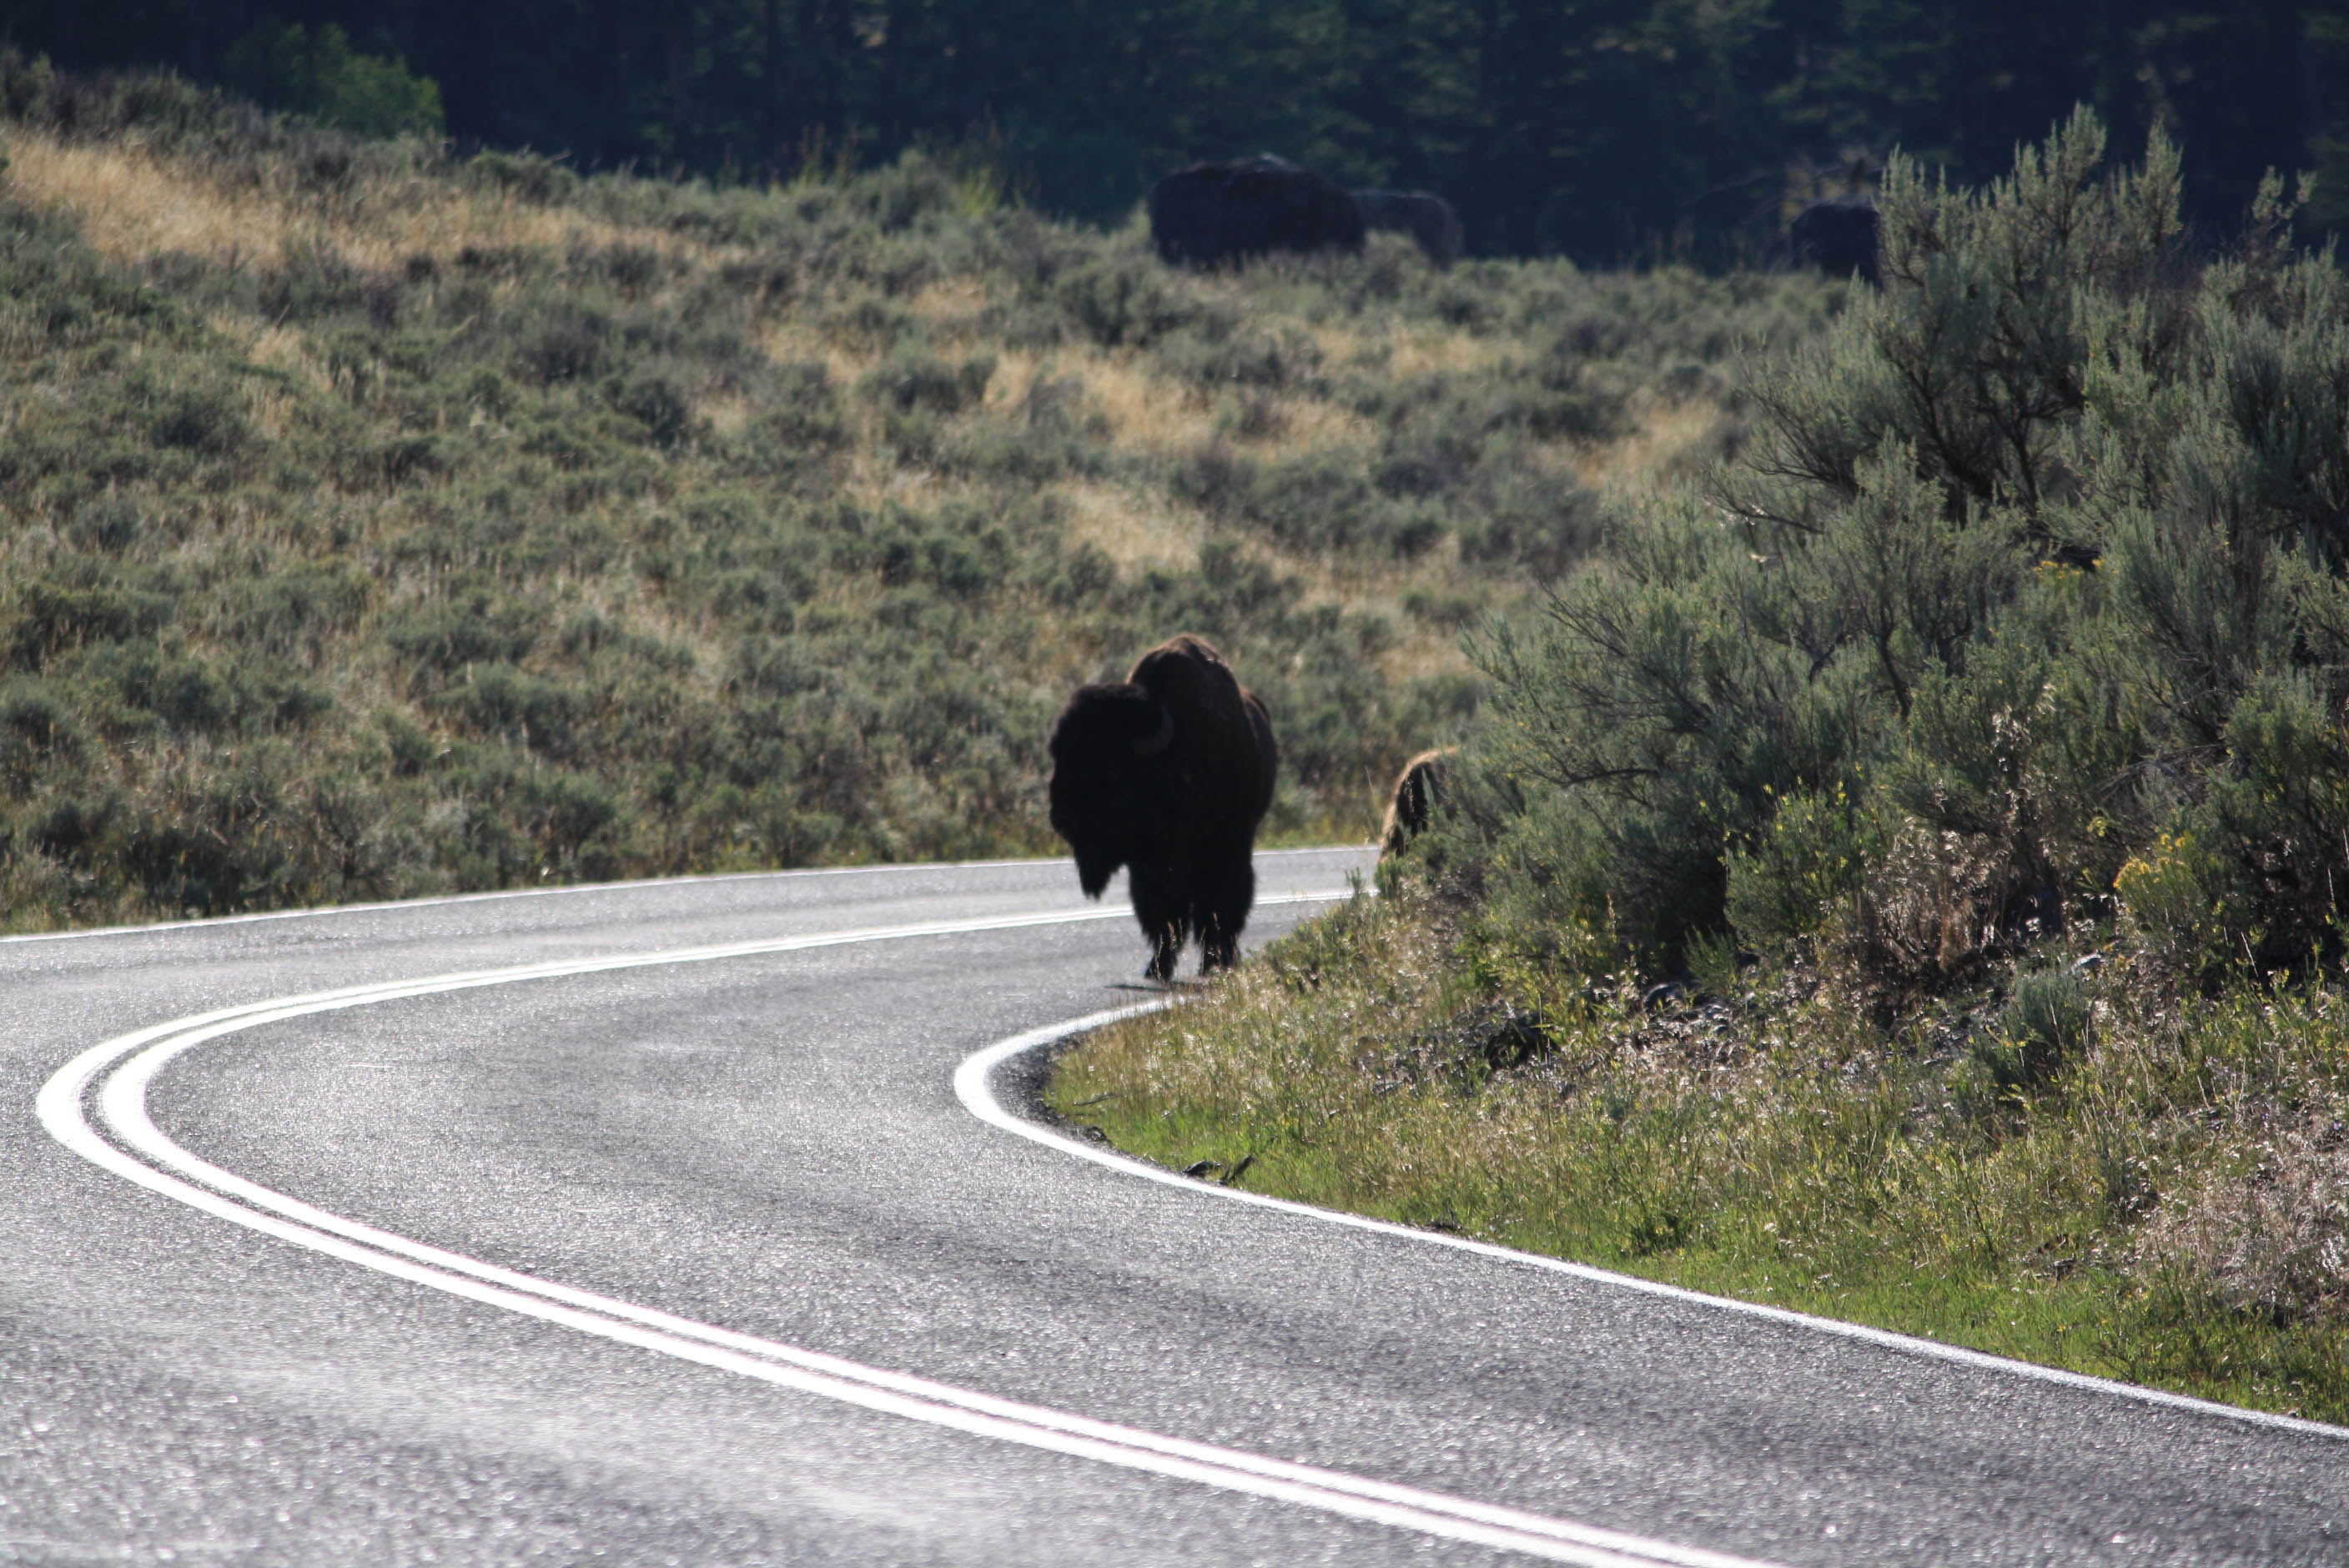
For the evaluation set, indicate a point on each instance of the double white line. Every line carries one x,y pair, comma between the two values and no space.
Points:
115,1076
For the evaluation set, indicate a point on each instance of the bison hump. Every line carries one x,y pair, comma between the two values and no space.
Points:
1221,728
1213,213
1189,677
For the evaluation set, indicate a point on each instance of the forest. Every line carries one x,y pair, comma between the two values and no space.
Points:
1610,131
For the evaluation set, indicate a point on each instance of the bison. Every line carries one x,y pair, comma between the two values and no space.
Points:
1213,213
1836,237
1423,215
1167,773
1419,791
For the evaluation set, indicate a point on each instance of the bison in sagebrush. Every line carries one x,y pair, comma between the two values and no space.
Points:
1167,773
1839,238
1419,790
1213,213
1423,214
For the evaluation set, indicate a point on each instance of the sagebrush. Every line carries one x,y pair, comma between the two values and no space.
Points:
377,522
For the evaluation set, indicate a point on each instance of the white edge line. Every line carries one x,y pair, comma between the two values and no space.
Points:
122,1103
974,1087
320,912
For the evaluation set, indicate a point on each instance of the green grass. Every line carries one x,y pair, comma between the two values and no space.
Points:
2159,1209
374,522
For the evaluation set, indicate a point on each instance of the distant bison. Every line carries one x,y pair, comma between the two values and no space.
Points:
1836,237
1213,213
1167,773
1419,790
1425,216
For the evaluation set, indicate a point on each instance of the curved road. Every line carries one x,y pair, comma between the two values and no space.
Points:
659,1234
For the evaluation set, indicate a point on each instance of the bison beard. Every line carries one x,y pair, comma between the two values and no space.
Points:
1167,773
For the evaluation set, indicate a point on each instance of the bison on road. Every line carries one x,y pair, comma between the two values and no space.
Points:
1213,213
1167,773
1423,215
1419,790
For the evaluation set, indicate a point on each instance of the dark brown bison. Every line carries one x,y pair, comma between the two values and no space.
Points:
1423,215
1836,237
1419,790
1167,773
1213,213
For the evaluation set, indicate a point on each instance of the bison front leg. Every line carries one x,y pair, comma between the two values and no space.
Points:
1161,912
1222,910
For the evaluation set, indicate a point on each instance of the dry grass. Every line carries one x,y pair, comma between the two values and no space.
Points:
951,303
1149,414
1303,424
131,204
1428,352
795,340
1667,438
874,480
1139,528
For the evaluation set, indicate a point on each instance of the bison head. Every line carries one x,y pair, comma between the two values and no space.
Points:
1112,785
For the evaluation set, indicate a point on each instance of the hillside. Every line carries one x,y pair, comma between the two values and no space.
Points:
376,522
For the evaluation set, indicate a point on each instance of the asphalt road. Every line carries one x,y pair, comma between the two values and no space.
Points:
704,1261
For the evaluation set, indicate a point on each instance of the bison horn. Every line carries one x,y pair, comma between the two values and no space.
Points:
1163,738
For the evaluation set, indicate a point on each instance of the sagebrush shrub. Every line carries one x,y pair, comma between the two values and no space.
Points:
2034,565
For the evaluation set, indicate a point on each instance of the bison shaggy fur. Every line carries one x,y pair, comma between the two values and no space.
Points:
1839,238
1213,213
1423,215
1419,791
1167,773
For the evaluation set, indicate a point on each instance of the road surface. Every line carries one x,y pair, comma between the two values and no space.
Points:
648,1224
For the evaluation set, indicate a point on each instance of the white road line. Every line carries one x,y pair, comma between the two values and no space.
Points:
122,1071
573,889
974,1089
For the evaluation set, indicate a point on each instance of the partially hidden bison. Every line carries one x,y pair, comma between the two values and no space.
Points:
1212,214
1423,215
1839,238
1167,773
1419,791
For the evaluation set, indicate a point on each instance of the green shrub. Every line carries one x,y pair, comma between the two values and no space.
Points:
1125,300
2042,1030
2032,567
320,74
917,379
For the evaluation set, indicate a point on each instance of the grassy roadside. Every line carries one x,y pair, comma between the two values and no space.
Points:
2164,1209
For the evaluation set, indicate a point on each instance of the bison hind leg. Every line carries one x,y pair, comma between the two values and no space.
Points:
1165,951
1162,923
1221,911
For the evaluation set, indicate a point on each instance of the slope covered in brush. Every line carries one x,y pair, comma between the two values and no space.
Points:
376,522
